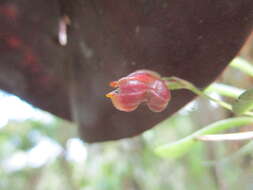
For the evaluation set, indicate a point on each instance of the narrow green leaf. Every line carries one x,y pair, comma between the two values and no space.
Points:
179,148
244,103
224,90
242,65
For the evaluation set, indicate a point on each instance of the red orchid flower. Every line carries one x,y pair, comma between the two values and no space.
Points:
138,87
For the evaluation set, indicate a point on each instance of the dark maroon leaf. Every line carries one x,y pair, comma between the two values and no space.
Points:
107,40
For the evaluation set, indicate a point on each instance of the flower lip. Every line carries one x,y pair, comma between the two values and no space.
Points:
109,95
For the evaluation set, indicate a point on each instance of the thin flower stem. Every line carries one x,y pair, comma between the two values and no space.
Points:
175,83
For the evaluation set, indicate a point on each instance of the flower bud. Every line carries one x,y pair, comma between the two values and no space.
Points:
138,87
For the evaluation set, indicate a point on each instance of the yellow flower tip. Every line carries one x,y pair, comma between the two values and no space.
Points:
109,95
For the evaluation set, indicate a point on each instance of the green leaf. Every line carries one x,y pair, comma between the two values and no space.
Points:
224,90
179,148
244,103
242,65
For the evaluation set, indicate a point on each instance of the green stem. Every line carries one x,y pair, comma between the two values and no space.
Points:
220,102
175,83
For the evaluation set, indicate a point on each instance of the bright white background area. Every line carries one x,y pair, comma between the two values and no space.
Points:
13,108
